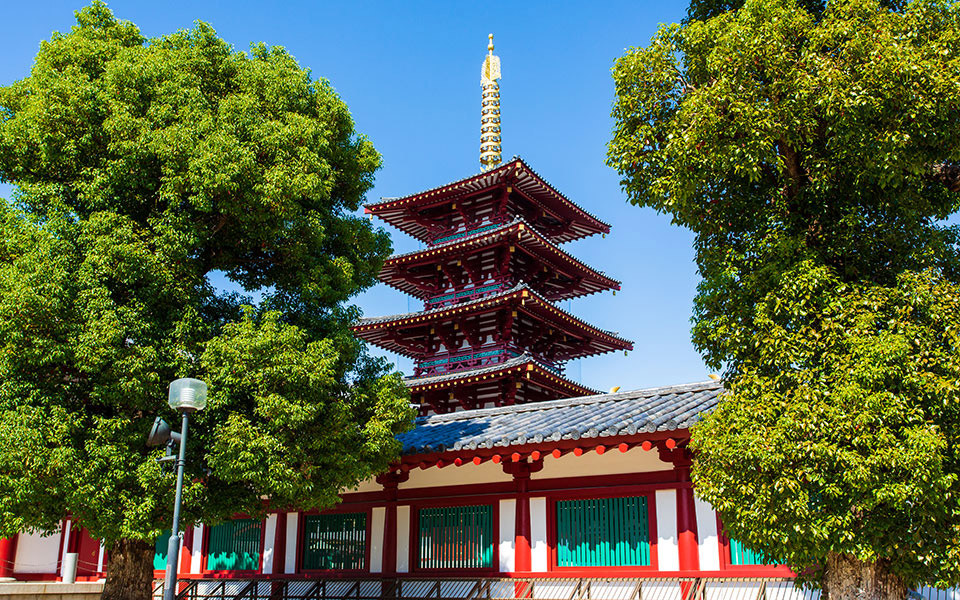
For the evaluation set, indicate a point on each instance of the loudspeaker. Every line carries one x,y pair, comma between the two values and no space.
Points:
160,433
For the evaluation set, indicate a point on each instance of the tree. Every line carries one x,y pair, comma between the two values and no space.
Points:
143,167
815,156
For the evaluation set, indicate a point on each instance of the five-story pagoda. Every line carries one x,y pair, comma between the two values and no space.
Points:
492,270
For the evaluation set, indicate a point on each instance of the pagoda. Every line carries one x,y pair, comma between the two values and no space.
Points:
489,277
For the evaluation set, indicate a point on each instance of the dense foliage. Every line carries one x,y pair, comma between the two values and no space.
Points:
815,155
142,168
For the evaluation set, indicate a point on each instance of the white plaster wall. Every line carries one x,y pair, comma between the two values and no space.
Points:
707,534
195,550
367,485
538,534
508,535
403,538
611,462
466,474
377,519
668,553
290,552
269,539
36,553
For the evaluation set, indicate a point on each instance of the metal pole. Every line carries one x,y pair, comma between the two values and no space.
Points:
173,547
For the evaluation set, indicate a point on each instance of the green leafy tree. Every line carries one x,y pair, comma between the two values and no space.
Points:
142,167
815,157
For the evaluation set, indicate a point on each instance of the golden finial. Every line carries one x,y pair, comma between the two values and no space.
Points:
490,150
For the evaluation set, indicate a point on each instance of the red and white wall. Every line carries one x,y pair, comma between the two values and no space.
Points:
684,534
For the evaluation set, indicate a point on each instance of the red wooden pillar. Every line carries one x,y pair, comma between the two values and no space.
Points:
390,481
186,551
279,554
280,544
522,541
687,543
73,542
8,554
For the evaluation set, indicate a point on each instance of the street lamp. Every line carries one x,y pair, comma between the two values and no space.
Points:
186,396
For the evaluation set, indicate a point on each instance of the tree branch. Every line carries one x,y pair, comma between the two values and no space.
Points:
948,175
791,159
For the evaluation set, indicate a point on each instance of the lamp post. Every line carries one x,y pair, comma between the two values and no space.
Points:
186,396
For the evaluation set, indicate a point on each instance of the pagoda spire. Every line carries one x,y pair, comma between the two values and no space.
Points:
490,150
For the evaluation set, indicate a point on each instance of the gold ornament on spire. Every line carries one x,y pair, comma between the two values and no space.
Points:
490,150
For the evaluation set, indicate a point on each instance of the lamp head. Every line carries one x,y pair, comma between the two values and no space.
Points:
188,395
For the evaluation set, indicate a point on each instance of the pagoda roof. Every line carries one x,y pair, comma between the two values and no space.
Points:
515,173
526,236
376,329
660,409
524,363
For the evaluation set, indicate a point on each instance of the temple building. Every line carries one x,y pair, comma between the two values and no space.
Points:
517,481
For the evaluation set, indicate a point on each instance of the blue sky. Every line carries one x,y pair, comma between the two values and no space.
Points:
409,71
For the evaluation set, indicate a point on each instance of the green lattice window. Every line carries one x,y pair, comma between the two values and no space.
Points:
335,541
456,537
160,551
234,546
743,556
603,532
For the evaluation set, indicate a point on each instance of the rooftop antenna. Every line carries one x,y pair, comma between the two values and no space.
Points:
490,150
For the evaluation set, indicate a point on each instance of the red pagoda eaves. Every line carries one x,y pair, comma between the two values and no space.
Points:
473,262
496,196
490,333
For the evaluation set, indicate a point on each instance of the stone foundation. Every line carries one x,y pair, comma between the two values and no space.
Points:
25,590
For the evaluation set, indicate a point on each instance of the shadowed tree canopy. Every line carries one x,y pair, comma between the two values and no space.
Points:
814,153
700,10
141,168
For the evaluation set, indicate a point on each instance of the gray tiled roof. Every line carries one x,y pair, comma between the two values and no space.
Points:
604,415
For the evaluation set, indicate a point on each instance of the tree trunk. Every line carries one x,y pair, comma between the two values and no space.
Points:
129,571
848,578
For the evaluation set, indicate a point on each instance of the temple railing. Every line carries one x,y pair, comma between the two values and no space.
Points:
473,588
460,361
451,297
442,239
485,356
